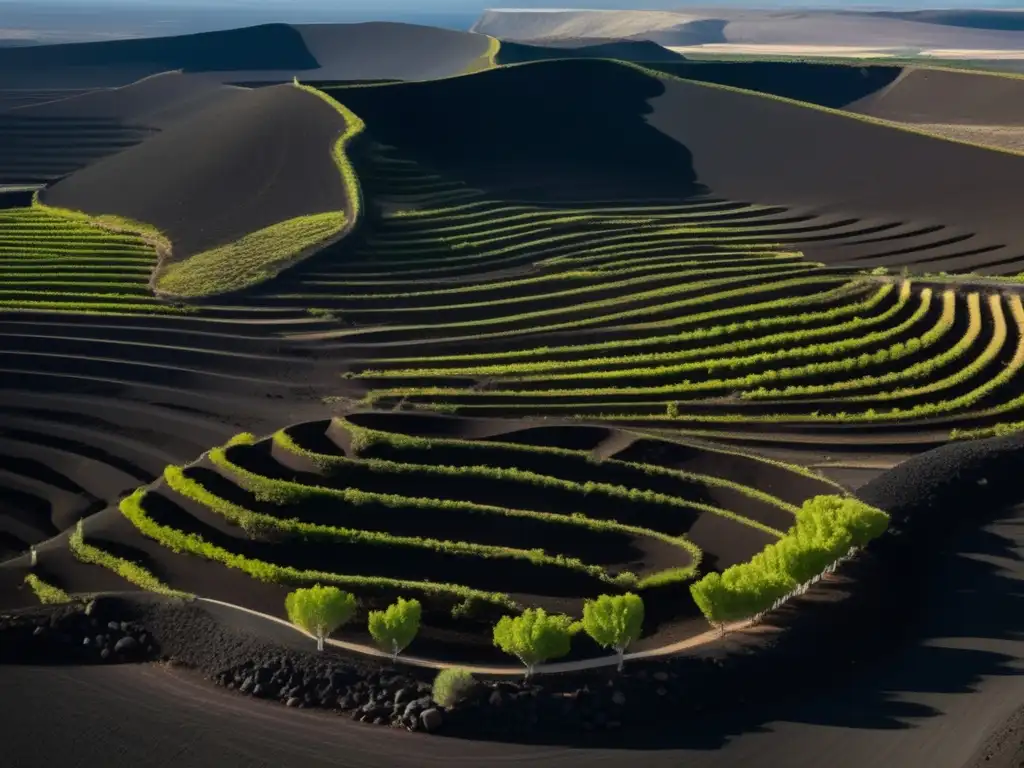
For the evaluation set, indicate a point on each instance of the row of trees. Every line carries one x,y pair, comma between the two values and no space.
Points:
534,637
827,529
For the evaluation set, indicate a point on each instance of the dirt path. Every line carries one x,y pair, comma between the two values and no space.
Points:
510,670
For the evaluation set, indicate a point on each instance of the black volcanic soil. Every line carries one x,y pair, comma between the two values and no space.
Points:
932,679
627,50
234,168
802,157
153,102
267,52
507,131
830,85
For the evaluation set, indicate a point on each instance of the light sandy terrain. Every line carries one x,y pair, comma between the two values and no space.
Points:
1002,136
846,51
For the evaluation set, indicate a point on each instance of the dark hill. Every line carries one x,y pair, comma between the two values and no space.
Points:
830,85
261,158
573,129
153,102
593,129
750,147
265,53
118,62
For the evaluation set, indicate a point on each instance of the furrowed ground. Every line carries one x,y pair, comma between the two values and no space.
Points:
689,315
544,302
473,518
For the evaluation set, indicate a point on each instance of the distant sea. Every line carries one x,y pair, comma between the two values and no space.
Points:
25,22
39,21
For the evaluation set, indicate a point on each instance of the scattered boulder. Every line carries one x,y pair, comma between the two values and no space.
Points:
126,644
431,719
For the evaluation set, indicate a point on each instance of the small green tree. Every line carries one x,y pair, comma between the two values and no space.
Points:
394,628
319,610
451,686
614,621
534,637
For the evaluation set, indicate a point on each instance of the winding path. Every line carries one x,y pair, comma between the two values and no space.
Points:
565,666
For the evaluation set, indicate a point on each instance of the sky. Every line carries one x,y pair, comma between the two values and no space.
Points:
465,6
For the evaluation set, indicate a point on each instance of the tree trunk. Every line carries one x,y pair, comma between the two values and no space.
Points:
319,642
394,651
622,659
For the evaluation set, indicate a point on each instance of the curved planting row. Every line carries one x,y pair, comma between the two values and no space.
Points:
473,525
102,384
680,315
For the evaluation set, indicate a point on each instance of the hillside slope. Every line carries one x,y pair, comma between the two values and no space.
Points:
152,102
230,170
799,156
585,48
119,62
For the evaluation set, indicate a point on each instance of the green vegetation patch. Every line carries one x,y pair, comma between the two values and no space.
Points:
251,260
126,569
47,593
261,255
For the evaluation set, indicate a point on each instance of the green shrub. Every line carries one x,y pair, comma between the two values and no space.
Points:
126,569
451,686
319,610
47,593
827,528
535,636
394,628
614,621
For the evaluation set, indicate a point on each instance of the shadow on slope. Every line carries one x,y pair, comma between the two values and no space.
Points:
830,85
626,50
259,159
566,129
927,630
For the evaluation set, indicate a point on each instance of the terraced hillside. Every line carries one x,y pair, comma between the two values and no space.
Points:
473,518
598,273
101,384
686,315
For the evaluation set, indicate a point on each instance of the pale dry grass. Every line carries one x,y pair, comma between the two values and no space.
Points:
1002,136
847,51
